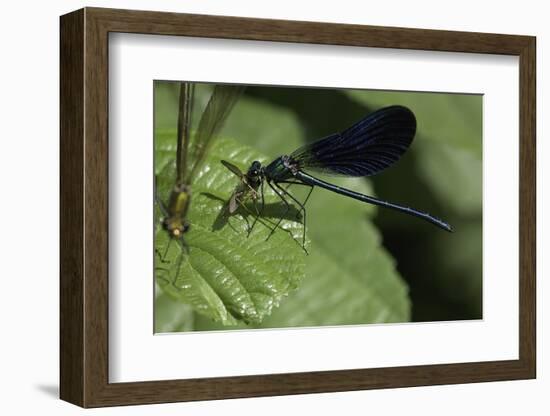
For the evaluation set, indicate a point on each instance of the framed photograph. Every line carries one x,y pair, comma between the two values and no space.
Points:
263,207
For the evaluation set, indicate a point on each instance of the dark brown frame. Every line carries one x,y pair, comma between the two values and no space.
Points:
84,208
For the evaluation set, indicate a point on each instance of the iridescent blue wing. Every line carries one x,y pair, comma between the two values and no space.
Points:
366,148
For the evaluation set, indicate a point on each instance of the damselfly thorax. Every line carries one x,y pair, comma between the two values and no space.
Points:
175,222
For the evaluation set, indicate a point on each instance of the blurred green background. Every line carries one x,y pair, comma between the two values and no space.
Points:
436,275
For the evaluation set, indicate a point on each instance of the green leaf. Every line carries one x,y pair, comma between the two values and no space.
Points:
171,315
226,275
454,174
351,279
264,127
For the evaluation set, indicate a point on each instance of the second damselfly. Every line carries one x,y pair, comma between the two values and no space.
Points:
191,150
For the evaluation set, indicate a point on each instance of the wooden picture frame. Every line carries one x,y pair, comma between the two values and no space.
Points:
84,207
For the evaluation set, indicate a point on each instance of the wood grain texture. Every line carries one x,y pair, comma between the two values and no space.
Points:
71,218
226,27
96,207
527,208
84,206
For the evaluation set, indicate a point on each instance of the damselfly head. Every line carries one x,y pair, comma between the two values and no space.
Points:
255,169
175,227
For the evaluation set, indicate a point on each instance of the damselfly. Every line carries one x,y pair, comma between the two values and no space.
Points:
190,159
368,147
